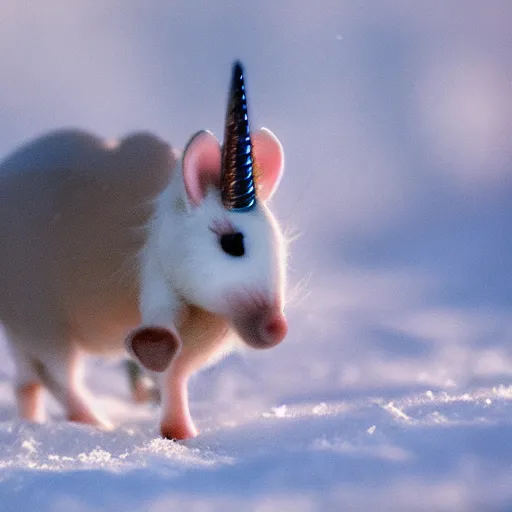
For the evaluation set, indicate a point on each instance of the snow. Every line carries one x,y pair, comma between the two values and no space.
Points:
393,390
395,450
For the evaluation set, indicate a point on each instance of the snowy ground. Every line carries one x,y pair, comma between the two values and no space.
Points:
393,390
415,416
424,450
428,450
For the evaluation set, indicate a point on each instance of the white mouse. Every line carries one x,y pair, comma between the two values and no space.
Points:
128,244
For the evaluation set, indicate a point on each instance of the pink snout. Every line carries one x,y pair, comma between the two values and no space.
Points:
265,330
275,329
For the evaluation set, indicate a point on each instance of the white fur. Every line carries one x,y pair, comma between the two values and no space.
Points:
98,239
185,253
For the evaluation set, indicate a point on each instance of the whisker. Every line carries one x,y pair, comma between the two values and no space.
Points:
291,234
298,294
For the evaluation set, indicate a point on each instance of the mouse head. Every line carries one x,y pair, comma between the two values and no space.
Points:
222,249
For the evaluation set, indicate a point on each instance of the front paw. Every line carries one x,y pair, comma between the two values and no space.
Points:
178,430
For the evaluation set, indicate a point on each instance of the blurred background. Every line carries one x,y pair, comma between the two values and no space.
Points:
396,119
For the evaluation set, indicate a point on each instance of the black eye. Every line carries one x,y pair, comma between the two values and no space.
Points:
233,244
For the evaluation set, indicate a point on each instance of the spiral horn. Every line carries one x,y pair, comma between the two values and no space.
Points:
238,190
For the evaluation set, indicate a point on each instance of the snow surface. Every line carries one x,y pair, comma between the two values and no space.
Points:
393,390
426,450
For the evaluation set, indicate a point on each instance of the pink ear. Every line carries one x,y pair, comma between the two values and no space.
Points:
153,346
269,157
201,165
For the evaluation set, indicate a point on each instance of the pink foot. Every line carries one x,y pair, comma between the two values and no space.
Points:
30,405
78,412
178,431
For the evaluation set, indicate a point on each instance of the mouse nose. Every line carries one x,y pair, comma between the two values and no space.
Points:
276,328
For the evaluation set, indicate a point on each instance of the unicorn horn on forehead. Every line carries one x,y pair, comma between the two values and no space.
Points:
238,190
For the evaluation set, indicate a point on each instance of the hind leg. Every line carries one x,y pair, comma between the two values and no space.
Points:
62,375
142,387
28,389
45,356
30,402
